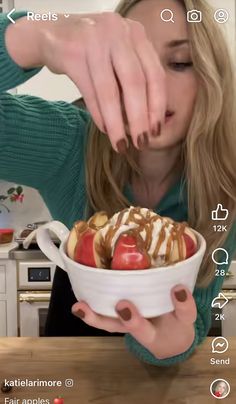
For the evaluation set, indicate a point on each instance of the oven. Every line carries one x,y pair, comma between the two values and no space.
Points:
33,295
228,323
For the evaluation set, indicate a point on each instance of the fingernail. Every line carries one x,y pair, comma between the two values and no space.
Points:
80,313
125,314
143,141
181,295
140,141
121,146
156,130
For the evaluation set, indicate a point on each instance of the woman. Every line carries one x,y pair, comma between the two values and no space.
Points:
221,389
162,105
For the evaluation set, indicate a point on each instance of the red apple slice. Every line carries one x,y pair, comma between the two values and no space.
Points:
79,227
86,249
190,243
189,246
129,253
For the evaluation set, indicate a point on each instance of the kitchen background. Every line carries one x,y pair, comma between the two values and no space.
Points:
55,87
23,307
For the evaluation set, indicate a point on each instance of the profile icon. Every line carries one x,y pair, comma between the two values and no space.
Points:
221,16
220,389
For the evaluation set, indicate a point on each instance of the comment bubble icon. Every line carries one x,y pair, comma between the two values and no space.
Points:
223,259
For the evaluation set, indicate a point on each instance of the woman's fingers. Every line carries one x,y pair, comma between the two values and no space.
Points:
107,93
185,307
112,62
141,329
83,81
156,91
132,81
124,63
83,311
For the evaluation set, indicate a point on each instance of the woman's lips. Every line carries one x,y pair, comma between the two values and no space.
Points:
169,115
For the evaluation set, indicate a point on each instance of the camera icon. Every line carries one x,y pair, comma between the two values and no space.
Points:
194,16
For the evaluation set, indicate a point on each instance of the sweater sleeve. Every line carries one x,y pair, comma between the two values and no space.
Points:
10,73
38,138
203,299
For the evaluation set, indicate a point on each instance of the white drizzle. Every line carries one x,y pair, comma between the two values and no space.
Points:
127,224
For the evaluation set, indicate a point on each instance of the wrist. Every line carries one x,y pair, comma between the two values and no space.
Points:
24,41
180,345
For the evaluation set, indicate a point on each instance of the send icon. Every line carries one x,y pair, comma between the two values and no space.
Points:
219,345
220,301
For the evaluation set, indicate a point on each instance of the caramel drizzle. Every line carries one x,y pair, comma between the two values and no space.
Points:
146,223
160,240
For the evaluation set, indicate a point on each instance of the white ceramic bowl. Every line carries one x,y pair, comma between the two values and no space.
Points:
101,288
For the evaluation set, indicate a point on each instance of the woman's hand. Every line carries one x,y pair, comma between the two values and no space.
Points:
111,61
110,58
164,336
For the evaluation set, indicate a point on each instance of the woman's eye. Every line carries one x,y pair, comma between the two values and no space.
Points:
180,66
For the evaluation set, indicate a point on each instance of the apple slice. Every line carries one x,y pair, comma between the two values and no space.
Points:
71,243
98,220
86,249
190,243
79,227
129,253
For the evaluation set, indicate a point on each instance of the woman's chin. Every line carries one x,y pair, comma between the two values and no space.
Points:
164,142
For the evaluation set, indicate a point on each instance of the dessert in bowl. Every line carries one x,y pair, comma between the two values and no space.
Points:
135,255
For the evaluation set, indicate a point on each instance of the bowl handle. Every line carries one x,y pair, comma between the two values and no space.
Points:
45,242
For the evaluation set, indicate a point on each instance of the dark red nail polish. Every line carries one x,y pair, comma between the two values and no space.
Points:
121,146
125,314
145,139
156,130
181,295
80,313
140,142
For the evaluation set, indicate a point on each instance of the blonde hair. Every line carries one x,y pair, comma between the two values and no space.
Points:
209,147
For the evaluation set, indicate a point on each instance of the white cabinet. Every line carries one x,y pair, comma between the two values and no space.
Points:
3,318
2,279
8,298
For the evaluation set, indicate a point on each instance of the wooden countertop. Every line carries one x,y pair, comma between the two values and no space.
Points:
104,372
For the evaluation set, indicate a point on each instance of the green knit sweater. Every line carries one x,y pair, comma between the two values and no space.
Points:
42,145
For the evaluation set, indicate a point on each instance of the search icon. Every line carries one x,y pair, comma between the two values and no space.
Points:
169,15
